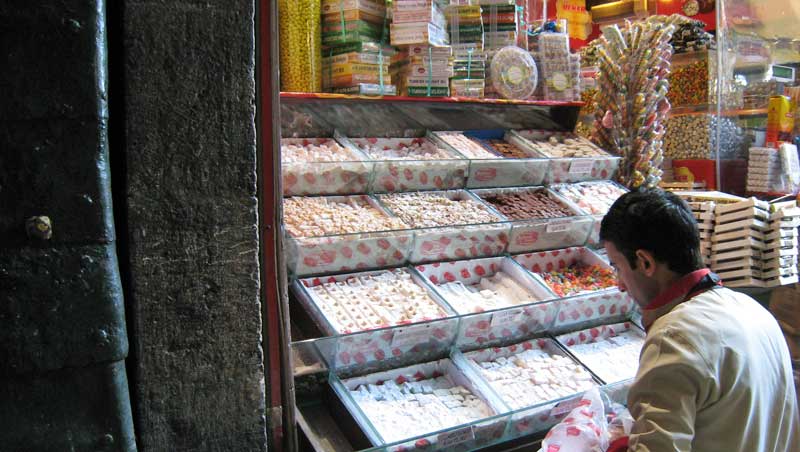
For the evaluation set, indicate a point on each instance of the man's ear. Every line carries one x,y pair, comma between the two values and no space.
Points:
646,262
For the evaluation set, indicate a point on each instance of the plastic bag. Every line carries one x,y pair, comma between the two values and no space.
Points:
584,429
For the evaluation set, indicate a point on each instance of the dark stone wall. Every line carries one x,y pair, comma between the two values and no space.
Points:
192,225
63,339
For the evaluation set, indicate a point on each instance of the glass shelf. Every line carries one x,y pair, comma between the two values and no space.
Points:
288,96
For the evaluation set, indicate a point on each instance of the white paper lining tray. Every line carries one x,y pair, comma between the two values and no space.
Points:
376,348
348,252
453,436
536,234
479,326
502,171
538,414
397,175
568,169
585,346
581,309
457,241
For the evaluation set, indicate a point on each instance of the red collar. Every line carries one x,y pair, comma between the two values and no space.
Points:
679,289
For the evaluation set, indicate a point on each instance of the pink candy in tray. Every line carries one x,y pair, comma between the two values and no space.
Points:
321,166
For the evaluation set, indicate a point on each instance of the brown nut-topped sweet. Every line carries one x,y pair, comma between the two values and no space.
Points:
524,205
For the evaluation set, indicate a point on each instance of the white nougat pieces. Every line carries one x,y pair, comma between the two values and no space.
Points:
328,151
416,150
320,216
613,359
416,210
409,409
492,292
383,299
534,376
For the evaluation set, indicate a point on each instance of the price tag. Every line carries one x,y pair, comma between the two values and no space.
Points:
558,226
454,437
411,335
581,166
566,406
509,317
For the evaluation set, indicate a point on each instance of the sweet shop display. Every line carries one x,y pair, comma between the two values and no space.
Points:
593,197
703,212
690,36
738,245
610,351
514,73
695,137
578,278
312,166
561,144
530,373
301,52
507,149
372,300
511,166
465,25
320,216
560,70
765,172
406,164
412,401
416,208
526,204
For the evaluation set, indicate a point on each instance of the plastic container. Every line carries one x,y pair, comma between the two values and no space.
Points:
585,308
593,198
483,325
611,352
502,171
349,174
514,74
536,234
456,241
301,46
434,167
466,436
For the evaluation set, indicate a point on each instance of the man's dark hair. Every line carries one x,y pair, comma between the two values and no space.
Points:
656,221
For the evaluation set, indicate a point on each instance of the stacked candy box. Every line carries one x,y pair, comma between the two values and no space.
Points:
419,407
594,198
315,166
407,164
610,351
381,317
703,212
585,283
779,263
495,297
531,378
501,164
738,242
342,233
540,219
451,224
575,159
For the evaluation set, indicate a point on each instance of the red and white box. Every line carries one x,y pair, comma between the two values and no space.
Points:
580,308
610,351
408,164
304,173
593,198
536,234
506,318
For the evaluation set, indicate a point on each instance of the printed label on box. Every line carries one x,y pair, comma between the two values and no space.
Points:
411,335
510,317
454,437
566,406
559,226
581,167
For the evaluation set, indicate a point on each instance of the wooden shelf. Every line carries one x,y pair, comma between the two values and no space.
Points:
285,96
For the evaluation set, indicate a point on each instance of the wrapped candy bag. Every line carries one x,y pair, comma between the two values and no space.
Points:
584,429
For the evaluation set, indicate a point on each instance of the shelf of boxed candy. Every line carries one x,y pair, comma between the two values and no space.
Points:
378,374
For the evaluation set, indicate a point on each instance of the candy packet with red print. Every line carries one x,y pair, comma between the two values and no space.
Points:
584,429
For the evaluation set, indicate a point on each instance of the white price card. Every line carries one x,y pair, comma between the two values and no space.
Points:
558,226
566,406
448,439
412,335
507,317
581,166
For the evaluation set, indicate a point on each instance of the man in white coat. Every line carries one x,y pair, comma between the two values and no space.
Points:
714,373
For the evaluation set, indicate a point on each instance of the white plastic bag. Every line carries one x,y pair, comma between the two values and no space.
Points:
585,429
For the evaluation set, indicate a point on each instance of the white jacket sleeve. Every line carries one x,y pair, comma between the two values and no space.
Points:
670,385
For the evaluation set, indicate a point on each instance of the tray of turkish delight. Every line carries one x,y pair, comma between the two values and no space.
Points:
427,406
380,317
321,166
574,158
502,164
452,224
540,219
531,378
611,352
585,284
593,198
328,234
496,299
407,164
